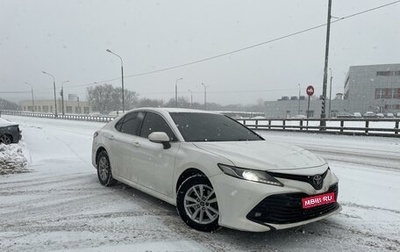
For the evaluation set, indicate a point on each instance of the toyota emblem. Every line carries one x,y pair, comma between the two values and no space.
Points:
317,181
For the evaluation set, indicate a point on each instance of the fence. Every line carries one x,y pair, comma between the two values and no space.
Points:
348,126
60,116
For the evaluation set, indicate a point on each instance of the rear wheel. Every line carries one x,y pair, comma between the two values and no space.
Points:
197,204
5,139
104,170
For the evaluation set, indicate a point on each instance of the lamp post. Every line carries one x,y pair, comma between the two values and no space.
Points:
330,94
191,98
299,99
79,108
122,78
205,95
176,91
33,100
62,96
54,87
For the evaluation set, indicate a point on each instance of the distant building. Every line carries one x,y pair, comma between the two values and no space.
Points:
373,88
285,108
47,106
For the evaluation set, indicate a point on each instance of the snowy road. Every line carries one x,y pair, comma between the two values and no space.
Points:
60,205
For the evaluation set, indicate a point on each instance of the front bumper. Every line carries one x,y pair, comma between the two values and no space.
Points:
256,207
287,209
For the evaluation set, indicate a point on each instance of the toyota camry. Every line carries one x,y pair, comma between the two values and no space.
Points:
216,171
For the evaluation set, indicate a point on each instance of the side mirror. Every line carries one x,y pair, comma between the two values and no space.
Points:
160,137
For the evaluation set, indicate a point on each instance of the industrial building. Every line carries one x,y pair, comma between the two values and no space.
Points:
373,88
293,107
71,106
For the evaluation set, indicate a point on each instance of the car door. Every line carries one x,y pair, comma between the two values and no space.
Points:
124,144
156,167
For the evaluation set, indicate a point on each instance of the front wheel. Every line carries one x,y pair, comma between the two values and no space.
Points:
197,204
104,170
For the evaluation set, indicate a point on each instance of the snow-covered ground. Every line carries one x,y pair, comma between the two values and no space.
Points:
60,206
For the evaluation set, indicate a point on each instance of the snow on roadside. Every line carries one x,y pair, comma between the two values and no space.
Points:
12,159
62,207
4,122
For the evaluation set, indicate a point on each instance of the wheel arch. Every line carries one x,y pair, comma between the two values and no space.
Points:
186,174
98,151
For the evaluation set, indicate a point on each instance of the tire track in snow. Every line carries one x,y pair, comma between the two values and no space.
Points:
349,204
88,163
391,243
378,162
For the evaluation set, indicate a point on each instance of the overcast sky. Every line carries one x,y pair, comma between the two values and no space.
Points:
69,38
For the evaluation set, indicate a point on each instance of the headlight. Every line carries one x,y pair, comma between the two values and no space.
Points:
248,174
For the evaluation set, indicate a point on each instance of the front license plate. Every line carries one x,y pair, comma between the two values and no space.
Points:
318,200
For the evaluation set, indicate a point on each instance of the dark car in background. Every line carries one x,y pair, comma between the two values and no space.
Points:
9,132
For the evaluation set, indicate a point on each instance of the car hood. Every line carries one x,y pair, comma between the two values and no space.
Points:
263,155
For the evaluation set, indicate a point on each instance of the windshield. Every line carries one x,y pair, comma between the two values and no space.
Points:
204,127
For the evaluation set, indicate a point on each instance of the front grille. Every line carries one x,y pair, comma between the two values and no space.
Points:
287,208
307,179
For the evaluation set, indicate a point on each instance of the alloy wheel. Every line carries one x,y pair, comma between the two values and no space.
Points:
200,203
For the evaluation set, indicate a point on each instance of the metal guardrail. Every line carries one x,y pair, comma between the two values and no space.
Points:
342,126
59,116
349,126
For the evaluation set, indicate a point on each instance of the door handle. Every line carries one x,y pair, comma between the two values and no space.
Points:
136,144
111,137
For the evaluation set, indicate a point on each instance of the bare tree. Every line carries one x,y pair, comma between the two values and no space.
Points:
105,98
146,102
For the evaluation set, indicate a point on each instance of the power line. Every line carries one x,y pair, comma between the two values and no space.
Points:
365,11
241,49
224,92
259,44
14,92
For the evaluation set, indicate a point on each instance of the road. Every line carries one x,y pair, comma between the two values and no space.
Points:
60,206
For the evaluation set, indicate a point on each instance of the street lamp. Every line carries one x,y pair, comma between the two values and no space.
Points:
330,94
79,107
205,95
33,100
299,99
62,96
54,87
191,98
122,78
176,91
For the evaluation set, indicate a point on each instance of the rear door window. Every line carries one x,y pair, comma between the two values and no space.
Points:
130,123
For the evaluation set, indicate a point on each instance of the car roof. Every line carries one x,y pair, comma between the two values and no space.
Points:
172,110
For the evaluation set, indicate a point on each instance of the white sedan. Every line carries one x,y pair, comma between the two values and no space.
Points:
214,170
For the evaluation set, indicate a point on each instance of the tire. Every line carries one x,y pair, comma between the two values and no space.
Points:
197,204
104,170
5,139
